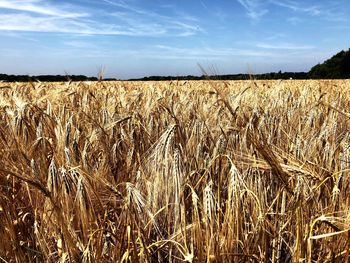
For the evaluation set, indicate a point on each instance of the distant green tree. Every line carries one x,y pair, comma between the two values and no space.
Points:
336,67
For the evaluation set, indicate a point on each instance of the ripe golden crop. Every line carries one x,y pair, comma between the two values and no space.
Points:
194,171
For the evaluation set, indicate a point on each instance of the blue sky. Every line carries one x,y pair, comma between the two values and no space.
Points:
156,37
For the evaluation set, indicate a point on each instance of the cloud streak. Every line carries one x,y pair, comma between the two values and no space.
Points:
206,52
39,16
168,52
254,9
29,23
38,7
182,25
284,46
327,10
313,10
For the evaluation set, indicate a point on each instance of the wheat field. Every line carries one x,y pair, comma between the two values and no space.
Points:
177,171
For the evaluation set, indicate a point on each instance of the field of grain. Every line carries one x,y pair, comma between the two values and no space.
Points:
207,171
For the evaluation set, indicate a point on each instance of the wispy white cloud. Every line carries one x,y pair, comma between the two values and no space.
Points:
294,20
181,25
205,52
162,52
326,10
29,23
204,5
313,10
80,44
38,7
40,16
255,9
285,46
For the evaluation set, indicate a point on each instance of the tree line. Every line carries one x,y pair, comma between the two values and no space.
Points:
50,78
337,67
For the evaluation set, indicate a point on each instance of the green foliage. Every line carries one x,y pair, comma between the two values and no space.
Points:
337,67
49,78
